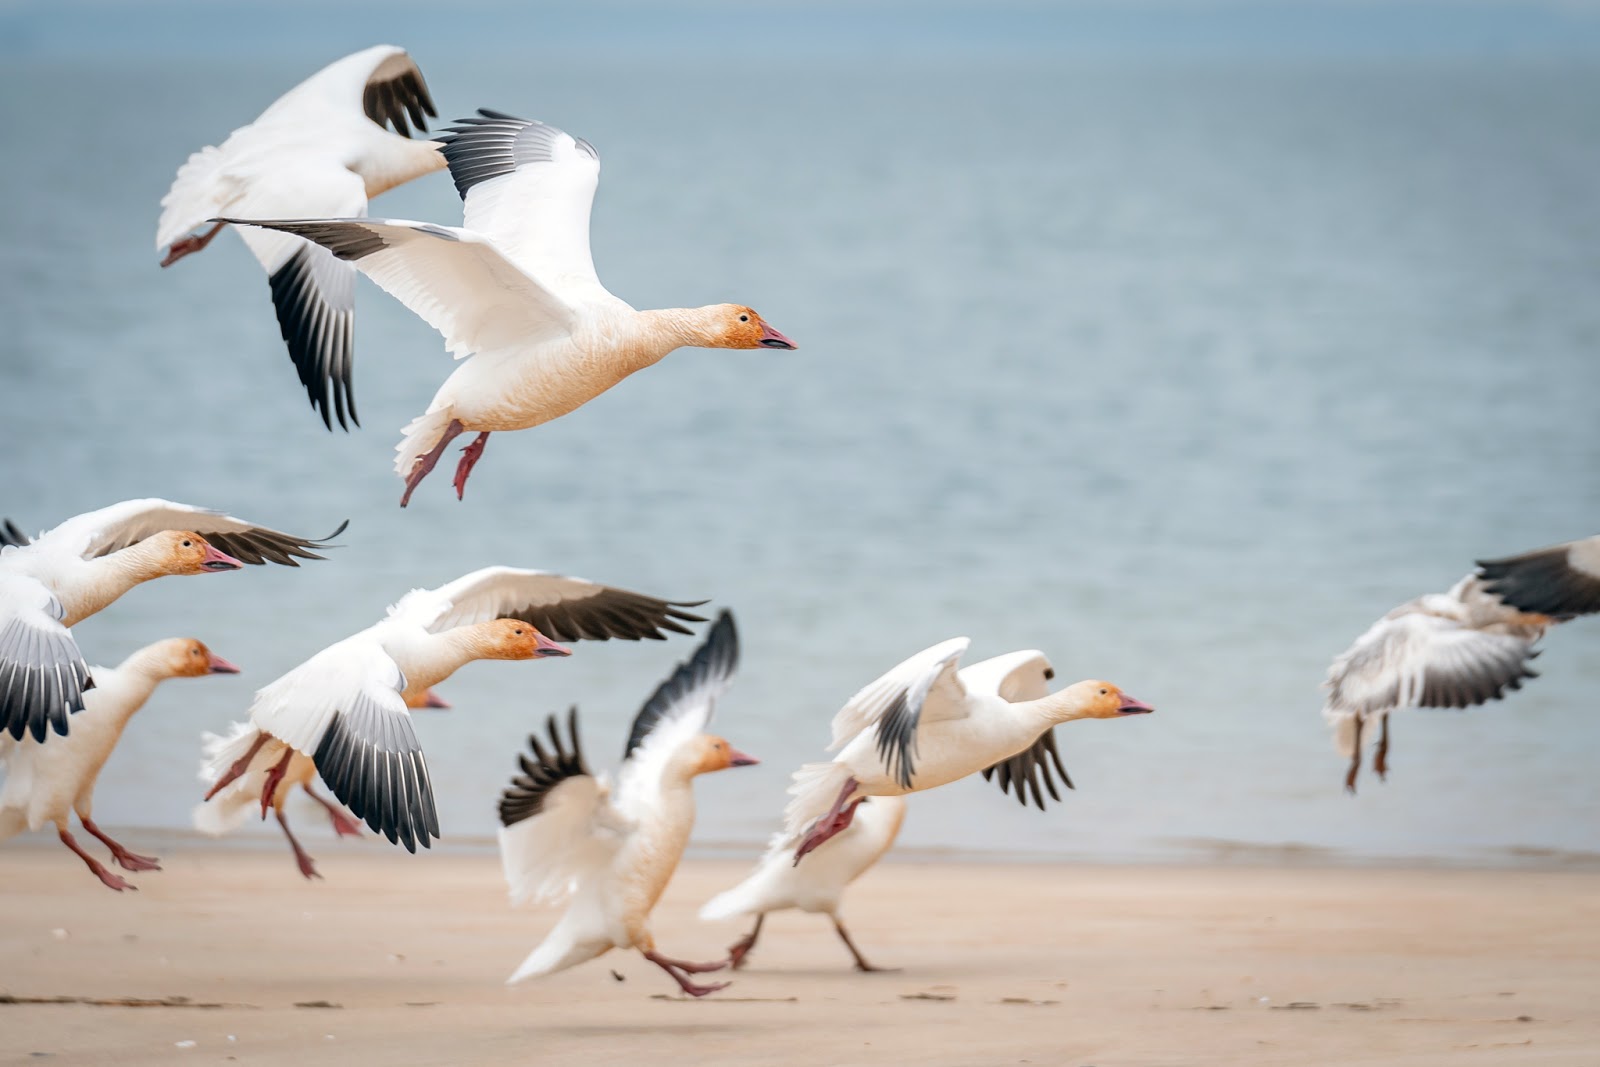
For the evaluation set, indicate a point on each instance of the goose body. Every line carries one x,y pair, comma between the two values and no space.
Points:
926,723
46,783
568,836
1457,649
816,886
325,147
514,291
52,582
345,710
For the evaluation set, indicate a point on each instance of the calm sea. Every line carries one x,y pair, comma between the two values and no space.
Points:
1183,373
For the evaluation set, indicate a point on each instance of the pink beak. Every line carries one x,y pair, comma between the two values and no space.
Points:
739,759
771,338
546,647
1131,706
430,699
222,666
219,561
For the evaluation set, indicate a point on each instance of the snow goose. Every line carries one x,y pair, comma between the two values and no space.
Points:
926,723
1457,649
516,291
228,809
815,886
566,834
1562,581
346,707
47,782
323,148
52,582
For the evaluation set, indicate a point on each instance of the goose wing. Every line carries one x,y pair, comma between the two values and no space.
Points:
42,674
556,820
924,688
561,608
1415,659
1014,677
343,707
1562,581
679,709
110,529
530,188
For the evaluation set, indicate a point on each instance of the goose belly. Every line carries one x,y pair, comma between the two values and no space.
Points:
944,752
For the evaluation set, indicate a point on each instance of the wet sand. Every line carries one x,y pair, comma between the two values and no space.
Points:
400,960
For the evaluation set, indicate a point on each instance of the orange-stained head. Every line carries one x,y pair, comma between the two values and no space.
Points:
515,639
187,658
715,754
184,552
1102,700
736,326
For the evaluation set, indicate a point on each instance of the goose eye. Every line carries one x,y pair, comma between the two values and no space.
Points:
188,544
744,318
1102,692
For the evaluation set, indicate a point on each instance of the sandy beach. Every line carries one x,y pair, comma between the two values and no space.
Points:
399,959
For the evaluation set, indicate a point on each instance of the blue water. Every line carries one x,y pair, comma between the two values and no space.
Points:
1183,372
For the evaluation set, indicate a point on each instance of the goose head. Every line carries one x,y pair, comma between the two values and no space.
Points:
712,753
184,657
736,326
1102,700
515,639
186,552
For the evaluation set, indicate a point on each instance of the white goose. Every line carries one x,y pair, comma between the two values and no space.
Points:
516,290
323,148
344,711
925,723
1457,649
48,782
816,885
56,580
566,834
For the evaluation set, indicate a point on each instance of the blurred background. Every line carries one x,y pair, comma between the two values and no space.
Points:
1178,340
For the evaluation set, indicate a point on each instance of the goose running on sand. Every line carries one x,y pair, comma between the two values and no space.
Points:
926,723
323,148
816,885
1457,649
345,709
50,583
515,290
567,835
48,782
228,809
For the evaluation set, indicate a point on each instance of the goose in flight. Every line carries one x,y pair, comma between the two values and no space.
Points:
50,583
566,834
345,709
816,885
926,723
514,291
323,148
48,782
1456,649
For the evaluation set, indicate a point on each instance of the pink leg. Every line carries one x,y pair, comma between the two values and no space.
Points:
469,459
675,969
741,948
861,961
835,821
240,765
274,777
190,244
112,881
301,858
425,464
343,826
130,861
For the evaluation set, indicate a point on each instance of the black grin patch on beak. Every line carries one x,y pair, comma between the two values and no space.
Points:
218,565
773,342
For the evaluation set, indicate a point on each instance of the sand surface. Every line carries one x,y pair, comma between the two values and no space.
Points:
400,960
